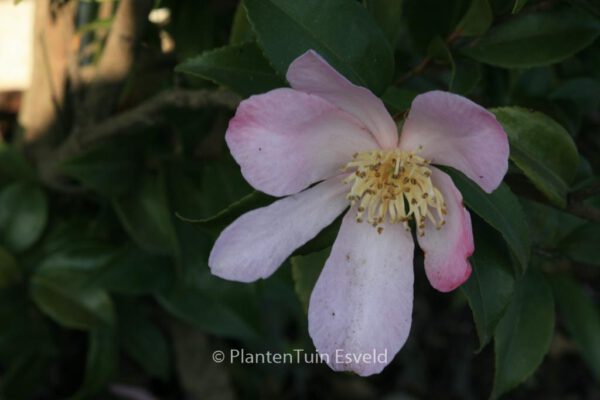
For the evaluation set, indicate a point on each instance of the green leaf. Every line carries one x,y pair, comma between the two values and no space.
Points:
77,261
135,272
13,164
145,215
23,215
477,20
21,329
465,76
305,271
439,51
428,19
491,285
398,100
542,149
549,226
23,378
206,313
523,335
288,28
388,14
9,270
519,4
562,233
501,210
144,342
465,73
241,31
581,91
535,39
101,362
581,244
581,318
59,288
74,308
218,222
241,67
111,170
225,183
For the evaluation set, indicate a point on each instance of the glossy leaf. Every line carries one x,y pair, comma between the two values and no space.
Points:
581,317
563,234
23,215
206,313
9,270
542,149
70,307
501,210
22,378
581,244
582,92
225,183
388,15
548,225
145,343
13,164
59,288
398,100
519,4
466,75
523,335
111,170
241,67
135,272
477,19
218,222
101,362
428,19
305,271
241,31
145,215
287,28
491,284
535,39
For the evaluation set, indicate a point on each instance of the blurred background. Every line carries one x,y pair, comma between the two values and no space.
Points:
112,119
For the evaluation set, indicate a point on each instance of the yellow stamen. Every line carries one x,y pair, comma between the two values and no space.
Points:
396,186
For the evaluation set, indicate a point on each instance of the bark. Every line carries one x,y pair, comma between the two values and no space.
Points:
42,111
117,60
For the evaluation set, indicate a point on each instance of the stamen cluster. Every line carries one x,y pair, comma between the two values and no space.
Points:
396,185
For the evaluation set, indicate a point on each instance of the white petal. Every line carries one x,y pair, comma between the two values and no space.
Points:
362,302
258,242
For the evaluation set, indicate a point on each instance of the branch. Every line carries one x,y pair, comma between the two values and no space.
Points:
424,64
586,192
578,207
149,113
585,211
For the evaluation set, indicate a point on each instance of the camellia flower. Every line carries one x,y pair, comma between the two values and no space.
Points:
328,131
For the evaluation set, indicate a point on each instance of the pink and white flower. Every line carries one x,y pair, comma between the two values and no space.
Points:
328,131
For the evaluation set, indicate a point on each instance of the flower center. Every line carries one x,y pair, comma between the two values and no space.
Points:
396,185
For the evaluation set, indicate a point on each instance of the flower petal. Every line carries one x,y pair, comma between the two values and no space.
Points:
258,242
362,302
310,73
456,132
285,140
447,249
